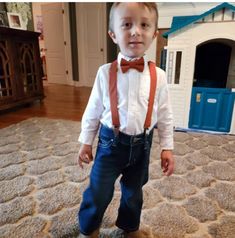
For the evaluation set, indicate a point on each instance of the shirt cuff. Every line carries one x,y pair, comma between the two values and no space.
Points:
86,138
166,144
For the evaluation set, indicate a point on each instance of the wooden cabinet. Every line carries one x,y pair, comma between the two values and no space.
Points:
20,68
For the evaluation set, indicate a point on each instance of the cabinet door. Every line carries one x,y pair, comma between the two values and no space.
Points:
20,68
7,87
29,76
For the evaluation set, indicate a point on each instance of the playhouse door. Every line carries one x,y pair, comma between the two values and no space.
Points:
211,109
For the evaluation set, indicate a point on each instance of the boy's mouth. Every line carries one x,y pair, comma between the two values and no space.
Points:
135,43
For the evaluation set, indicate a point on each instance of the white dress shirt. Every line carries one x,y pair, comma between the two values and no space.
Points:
133,93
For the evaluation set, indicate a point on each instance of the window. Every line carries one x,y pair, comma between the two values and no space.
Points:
170,67
177,67
163,59
174,66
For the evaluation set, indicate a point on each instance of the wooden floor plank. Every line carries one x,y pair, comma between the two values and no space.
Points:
61,102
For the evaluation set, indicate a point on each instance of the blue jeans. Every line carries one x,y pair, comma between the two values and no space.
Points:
116,155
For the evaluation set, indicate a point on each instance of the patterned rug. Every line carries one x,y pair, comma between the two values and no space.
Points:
41,185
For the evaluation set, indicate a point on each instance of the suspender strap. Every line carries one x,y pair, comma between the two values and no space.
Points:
153,85
114,97
113,94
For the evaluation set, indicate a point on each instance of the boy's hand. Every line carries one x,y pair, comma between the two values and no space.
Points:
84,155
167,162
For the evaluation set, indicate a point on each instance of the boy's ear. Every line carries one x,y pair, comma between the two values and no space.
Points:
155,34
113,37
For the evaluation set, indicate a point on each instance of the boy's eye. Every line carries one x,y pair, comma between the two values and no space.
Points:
144,25
126,25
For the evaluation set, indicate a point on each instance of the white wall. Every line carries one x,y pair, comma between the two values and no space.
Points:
37,11
36,8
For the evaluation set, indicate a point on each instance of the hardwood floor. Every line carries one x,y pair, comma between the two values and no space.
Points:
60,102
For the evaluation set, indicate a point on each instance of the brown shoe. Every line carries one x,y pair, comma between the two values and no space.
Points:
133,234
94,234
137,234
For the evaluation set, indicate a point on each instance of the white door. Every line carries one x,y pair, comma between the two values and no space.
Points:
54,43
91,18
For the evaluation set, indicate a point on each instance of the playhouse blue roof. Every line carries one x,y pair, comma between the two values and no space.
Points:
182,21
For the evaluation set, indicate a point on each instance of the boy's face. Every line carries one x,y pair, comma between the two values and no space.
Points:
134,28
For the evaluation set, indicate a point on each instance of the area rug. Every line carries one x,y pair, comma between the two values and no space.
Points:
41,185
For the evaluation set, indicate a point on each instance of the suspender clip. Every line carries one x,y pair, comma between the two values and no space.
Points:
146,131
146,142
116,130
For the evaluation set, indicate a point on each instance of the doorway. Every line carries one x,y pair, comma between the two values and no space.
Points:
211,65
212,103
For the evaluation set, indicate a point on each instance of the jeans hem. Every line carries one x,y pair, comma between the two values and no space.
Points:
86,233
126,229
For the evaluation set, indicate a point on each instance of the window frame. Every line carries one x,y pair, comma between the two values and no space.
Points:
171,65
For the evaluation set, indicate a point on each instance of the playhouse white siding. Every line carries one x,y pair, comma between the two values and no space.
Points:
186,40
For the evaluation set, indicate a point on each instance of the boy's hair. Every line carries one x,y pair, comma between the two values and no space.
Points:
150,5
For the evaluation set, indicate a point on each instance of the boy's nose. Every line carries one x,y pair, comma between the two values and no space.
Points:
135,31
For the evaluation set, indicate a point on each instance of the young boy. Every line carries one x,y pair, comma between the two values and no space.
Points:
125,106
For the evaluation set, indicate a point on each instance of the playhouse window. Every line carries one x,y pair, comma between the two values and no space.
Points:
177,67
170,66
174,66
163,59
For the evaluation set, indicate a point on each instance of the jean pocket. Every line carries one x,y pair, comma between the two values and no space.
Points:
105,142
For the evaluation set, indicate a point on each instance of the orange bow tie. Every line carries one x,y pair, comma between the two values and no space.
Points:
137,64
